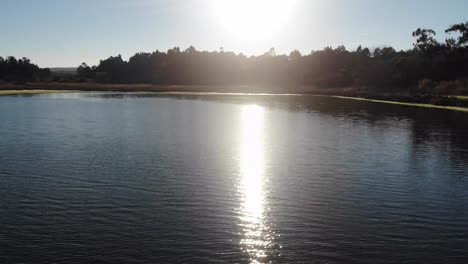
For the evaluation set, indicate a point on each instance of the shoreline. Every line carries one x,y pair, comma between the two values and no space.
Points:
29,89
433,106
35,91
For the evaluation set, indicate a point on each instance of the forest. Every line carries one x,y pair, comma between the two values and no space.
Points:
430,67
21,70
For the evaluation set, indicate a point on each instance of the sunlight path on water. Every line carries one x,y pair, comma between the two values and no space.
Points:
256,234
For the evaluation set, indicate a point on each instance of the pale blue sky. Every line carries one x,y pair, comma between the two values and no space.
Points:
57,33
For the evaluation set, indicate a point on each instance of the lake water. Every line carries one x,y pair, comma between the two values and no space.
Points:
144,178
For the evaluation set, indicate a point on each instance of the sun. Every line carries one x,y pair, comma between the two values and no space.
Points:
252,19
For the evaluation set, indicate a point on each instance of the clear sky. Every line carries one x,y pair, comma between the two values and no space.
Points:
59,33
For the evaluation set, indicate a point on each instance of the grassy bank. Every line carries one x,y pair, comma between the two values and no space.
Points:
456,103
18,92
453,108
142,87
105,87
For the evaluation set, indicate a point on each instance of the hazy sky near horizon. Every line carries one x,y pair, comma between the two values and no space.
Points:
62,33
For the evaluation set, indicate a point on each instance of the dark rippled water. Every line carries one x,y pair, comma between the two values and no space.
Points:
139,178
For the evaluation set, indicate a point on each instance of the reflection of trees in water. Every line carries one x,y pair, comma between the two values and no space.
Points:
440,133
430,127
439,128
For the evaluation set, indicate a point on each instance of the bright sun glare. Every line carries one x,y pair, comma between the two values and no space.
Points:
256,233
253,19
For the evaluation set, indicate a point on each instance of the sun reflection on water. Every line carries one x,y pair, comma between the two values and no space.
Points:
256,236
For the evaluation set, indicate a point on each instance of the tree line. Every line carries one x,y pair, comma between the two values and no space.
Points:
21,70
430,66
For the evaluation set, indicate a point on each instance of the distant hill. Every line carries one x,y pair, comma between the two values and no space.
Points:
63,70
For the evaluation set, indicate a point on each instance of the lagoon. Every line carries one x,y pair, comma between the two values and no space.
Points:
153,178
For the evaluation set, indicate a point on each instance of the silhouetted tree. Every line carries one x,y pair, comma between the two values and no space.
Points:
84,71
424,38
382,69
22,70
462,29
